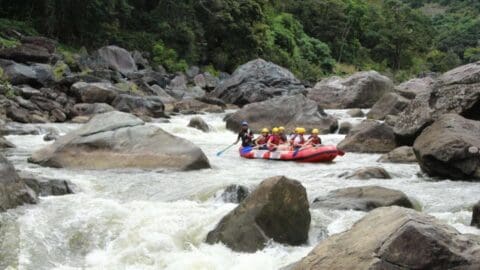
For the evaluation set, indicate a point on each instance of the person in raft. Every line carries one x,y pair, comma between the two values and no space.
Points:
246,135
274,140
297,141
314,139
261,141
281,134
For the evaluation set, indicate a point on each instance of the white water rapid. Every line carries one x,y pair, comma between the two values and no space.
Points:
132,219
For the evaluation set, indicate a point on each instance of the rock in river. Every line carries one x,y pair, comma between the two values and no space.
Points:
120,140
476,215
450,148
364,198
13,190
289,112
395,238
277,209
256,81
402,154
369,137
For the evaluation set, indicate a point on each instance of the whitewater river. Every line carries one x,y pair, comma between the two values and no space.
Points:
134,219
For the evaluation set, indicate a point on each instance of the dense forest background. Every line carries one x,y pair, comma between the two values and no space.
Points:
313,38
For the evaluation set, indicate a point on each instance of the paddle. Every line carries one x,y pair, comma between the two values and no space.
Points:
246,150
221,152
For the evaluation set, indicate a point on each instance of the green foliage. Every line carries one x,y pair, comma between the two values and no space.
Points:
5,87
472,54
442,61
8,43
60,70
211,69
168,57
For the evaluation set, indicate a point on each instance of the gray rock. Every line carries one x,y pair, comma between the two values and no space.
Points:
403,154
36,75
368,173
95,92
199,123
177,87
47,186
27,91
361,90
150,106
139,60
456,91
345,128
391,120
369,137
192,72
162,94
120,140
51,136
90,109
288,111
26,53
235,194
200,81
277,209
118,59
195,106
211,82
4,143
13,191
355,113
364,198
389,104
410,89
256,81
447,148
395,238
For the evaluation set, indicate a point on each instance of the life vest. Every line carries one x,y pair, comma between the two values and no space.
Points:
274,139
262,140
301,139
315,140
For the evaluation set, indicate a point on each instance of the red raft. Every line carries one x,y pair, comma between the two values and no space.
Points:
324,153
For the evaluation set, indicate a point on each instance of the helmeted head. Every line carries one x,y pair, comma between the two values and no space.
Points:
264,131
297,130
244,125
315,131
301,130
275,130
281,129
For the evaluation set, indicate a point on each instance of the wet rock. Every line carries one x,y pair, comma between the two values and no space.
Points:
361,90
120,140
150,106
4,143
90,109
456,91
449,148
256,81
118,59
355,113
199,123
13,191
403,154
47,186
195,106
410,89
289,111
344,128
368,173
36,75
51,136
389,104
95,92
19,129
364,198
235,194
369,137
476,215
395,238
277,209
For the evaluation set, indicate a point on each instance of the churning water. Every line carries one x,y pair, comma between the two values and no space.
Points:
134,219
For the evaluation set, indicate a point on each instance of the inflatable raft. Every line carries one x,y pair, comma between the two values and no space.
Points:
324,153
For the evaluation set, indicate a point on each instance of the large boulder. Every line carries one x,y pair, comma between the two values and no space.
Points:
120,140
277,209
199,123
476,215
390,104
364,198
395,238
290,112
235,194
402,154
361,90
90,109
189,106
36,75
456,91
449,148
410,89
95,92
13,190
118,59
369,137
151,106
256,81
26,53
